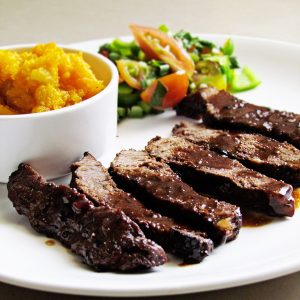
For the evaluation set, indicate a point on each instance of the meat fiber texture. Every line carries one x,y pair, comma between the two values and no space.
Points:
221,109
105,238
91,178
261,153
223,177
162,189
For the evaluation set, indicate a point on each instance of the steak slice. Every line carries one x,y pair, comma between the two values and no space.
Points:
92,179
222,177
105,238
220,108
263,154
160,188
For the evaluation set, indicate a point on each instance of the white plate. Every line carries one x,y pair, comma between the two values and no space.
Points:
258,253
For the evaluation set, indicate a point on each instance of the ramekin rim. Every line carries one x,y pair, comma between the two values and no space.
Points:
107,89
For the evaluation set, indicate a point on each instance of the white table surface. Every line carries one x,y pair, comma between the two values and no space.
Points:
67,21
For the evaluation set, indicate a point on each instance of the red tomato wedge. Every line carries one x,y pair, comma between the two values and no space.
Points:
159,45
175,88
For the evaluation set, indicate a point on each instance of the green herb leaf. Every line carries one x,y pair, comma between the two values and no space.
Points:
119,49
208,44
144,83
155,63
163,28
158,95
104,47
194,57
228,47
234,63
161,68
164,70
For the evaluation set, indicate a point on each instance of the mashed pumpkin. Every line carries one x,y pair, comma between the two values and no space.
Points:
44,78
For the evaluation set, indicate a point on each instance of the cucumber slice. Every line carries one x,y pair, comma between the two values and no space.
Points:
243,80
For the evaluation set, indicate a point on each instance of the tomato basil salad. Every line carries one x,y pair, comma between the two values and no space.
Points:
158,69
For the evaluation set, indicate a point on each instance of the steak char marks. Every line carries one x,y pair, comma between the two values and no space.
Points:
105,238
92,179
223,177
222,109
160,188
263,154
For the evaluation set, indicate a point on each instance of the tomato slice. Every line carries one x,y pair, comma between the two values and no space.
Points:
132,72
175,86
159,45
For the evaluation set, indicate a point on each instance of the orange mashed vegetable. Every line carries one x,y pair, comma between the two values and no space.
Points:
43,79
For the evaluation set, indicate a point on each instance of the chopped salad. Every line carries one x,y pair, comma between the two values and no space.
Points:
158,69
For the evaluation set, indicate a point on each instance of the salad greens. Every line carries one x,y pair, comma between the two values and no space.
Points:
140,65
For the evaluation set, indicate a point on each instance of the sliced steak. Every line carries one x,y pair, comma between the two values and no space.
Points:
263,154
160,188
92,179
222,177
224,110
105,238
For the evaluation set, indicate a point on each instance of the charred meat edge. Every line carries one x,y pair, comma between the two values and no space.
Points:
160,188
216,175
221,109
255,151
92,179
105,238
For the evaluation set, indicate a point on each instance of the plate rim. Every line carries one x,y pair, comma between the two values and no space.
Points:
148,292
213,35
285,269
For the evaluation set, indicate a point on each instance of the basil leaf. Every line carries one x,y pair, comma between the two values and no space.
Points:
161,68
234,63
158,95
208,44
164,70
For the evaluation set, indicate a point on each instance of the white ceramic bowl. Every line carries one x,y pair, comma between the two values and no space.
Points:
52,141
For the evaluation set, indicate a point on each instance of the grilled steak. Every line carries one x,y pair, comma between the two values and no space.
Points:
92,179
223,177
263,154
219,108
105,238
160,188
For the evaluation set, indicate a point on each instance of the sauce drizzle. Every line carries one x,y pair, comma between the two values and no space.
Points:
254,219
184,264
296,195
50,242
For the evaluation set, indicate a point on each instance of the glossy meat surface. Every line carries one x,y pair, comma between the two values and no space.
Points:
221,109
91,178
222,177
105,238
162,189
279,160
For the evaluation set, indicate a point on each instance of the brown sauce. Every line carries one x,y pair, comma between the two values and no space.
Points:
254,219
203,158
296,195
184,264
50,242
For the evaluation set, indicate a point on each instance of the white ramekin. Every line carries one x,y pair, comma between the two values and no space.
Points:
52,141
